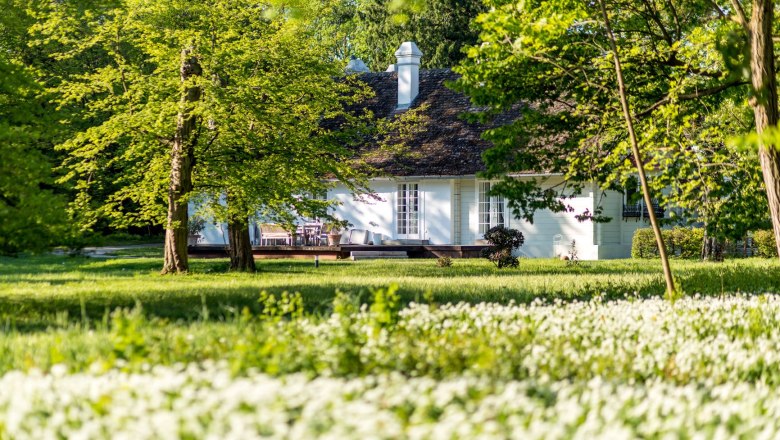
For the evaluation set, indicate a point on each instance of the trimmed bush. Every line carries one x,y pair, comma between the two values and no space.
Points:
503,241
643,244
764,242
686,242
680,243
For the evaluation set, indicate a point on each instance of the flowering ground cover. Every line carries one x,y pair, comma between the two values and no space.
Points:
390,362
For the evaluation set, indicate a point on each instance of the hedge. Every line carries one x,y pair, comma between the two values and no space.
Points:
680,242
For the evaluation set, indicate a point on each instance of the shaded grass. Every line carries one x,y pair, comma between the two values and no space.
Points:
36,290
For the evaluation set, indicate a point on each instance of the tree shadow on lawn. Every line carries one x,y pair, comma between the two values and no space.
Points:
192,303
97,287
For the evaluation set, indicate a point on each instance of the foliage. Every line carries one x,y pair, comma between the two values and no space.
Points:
31,212
684,67
686,242
441,28
195,225
335,225
503,241
764,241
258,132
444,262
680,242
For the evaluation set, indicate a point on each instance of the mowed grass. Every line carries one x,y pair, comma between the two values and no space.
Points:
38,291
59,309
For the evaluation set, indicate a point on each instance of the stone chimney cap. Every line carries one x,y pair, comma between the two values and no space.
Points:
408,49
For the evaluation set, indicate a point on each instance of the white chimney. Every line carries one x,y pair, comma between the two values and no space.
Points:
408,68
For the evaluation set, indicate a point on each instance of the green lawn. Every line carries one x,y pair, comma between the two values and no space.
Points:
36,290
594,339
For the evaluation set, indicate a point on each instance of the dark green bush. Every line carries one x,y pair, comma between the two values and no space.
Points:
680,243
503,241
764,242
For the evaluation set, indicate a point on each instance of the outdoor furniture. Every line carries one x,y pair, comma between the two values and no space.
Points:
359,236
311,234
270,231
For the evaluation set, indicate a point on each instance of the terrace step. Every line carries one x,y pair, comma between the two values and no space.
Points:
405,242
368,255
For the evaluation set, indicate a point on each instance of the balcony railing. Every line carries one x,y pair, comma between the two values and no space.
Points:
639,210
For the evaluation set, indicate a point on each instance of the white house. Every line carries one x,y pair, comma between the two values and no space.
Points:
433,196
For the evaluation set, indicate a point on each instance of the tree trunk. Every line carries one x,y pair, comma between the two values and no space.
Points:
240,248
670,290
713,249
764,103
182,162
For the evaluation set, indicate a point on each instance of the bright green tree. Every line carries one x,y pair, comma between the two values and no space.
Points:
31,214
552,60
174,86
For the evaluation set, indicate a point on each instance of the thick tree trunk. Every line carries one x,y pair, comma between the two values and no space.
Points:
670,290
182,162
240,248
764,102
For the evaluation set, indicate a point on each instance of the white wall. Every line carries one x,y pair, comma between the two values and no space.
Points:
435,206
540,234
594,240
362,213
436,225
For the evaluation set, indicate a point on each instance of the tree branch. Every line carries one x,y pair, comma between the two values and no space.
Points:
693,95
740,18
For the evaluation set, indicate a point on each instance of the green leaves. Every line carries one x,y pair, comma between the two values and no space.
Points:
549,59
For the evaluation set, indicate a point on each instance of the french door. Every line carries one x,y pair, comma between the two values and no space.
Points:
408,211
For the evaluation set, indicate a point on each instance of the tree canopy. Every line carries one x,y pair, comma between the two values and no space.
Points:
182,98
441,28
32,214
682,69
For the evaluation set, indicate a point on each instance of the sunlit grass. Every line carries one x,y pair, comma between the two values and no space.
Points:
33,290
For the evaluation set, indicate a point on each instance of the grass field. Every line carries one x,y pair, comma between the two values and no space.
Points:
544,351
35,289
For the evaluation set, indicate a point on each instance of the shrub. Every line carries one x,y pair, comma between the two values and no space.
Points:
444,262
643,244
680,243
764,241
686,242
503,241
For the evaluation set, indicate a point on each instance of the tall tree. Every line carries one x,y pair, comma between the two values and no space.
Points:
763,76
182,98
268,137
550,60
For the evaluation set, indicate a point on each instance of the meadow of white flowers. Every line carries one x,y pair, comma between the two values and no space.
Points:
697,368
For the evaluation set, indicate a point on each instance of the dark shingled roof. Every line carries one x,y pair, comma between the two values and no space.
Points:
443,144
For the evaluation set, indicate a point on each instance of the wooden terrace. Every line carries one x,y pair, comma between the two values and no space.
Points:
343,251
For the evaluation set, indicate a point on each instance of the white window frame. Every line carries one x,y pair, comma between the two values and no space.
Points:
491,210
408,210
